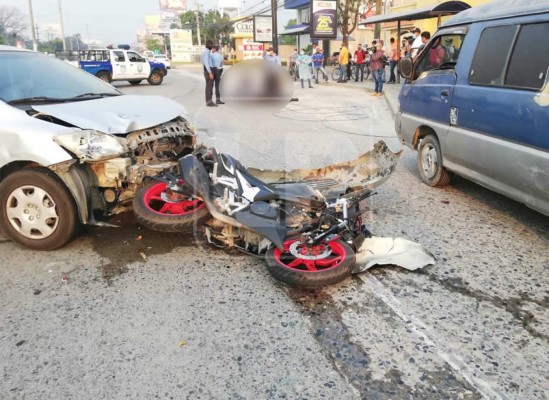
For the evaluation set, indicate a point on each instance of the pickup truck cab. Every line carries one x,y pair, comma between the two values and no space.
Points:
116,65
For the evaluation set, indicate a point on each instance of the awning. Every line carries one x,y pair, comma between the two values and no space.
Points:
298,29
433,11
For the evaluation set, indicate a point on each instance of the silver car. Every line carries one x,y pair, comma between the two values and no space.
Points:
74,149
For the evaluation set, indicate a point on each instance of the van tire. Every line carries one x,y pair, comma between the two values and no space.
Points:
135,82
429,163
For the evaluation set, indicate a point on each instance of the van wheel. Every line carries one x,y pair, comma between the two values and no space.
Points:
429,163
37,210
135,82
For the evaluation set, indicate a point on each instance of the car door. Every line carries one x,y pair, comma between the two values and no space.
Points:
120,65
426,100
139,67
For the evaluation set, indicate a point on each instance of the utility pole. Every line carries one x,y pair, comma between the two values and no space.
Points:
198,24
62,27
275,25
34,42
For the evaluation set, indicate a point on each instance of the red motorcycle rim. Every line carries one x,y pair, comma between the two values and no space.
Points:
156,204
334,260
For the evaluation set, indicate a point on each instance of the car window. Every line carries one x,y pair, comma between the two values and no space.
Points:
530,58
442,52
28,74
119,56
134,57
488,67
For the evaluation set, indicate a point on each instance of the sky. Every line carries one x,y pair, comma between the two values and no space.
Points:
111,21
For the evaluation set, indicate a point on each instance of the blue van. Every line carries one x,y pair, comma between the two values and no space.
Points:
476,101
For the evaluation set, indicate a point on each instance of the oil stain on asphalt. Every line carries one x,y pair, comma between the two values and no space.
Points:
130,243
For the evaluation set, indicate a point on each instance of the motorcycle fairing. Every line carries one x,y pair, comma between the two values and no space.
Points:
195,176
271,229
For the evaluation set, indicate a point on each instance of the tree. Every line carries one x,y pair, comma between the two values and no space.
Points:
153,44
288,39
348,17
217,27
188,21
377,31
12,24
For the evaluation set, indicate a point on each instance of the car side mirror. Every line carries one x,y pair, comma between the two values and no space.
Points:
406,67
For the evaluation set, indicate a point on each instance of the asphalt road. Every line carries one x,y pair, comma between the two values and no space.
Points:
130,313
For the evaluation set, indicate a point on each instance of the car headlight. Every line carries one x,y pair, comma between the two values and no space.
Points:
91,145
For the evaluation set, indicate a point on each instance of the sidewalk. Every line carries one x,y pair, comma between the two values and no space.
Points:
391,91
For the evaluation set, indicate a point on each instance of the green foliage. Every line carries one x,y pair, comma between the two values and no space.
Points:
347,16
289,39
213,26
153,44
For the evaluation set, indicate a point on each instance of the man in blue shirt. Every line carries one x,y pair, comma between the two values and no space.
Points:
318,60
217,69
208,73
272,57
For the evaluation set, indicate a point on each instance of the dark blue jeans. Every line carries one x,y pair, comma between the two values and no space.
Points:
392,65
378,79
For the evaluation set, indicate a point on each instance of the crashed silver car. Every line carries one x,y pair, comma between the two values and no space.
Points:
74,149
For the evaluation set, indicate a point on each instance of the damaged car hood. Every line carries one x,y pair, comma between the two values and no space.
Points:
117,115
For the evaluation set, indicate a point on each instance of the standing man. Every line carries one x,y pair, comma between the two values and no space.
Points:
208,73
272,57
343,61
217,69
359,57
393,60
417,43
318,60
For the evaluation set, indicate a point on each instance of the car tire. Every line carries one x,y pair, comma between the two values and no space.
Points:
155,78
429,163
135,82
37,210
104,76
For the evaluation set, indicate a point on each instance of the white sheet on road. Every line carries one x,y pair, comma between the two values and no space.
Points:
392,251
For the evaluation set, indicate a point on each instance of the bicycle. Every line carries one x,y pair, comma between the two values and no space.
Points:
294,72
336,73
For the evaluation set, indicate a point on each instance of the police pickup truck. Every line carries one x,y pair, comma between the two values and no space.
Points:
116,65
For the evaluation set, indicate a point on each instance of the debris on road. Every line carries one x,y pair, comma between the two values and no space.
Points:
143,256
392,251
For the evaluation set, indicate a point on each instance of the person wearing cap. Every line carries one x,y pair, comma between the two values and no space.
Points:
417,42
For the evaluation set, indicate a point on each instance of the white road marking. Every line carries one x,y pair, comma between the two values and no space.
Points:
428,334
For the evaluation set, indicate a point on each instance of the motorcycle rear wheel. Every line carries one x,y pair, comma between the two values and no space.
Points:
155,211
311,273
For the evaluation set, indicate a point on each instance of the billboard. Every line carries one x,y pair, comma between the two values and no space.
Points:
173,6
181,43
263,28
252,50
323,19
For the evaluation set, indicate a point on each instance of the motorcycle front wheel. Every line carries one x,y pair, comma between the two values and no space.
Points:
158,209
302,266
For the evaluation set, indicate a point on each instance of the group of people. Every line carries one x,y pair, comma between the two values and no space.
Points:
377,56
212,64
309,66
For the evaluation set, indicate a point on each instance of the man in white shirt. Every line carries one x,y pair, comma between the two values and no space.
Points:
417,42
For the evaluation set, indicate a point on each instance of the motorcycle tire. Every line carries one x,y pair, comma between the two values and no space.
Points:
155,213
304,273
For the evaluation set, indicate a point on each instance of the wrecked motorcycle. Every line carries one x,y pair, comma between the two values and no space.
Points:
306,239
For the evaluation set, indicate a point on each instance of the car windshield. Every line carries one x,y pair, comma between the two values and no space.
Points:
28,75
160,56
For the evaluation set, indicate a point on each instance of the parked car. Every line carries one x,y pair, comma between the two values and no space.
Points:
476,101
74,149
163,59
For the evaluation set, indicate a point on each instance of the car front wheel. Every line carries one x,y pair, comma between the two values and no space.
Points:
37,210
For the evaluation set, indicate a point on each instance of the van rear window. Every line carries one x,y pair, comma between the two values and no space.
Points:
488,66
530,58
